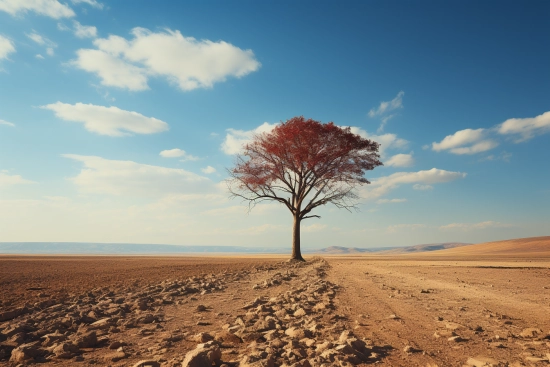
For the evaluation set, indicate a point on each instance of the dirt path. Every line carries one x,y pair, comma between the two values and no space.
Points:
487,308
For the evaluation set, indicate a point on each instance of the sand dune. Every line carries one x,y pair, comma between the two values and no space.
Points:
424,248
532,246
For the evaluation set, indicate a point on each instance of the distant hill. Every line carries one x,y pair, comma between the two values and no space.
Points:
340,250
425,248
336,250
79,248
532,246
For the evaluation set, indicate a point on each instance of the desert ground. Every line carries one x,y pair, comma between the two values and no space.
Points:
457,308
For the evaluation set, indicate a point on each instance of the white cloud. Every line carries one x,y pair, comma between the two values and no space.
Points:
526,128
400,160
113,71
183,61
388,106
38,56
43,41
6,47
37,38
84,31
504,156
4,122
208,169
315,227
384,122
92,3
383,185
111,121
50,8
261,229
422,187
63,27
236,139
390,201
9,180
387,141
472,226
397,227
482,146
467,141
177,153
105,176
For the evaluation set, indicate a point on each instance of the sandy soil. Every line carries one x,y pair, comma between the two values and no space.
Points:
406,311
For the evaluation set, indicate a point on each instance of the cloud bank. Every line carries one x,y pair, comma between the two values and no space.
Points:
111,121
115,177
50,8
6,47
383,185
183,61
178,153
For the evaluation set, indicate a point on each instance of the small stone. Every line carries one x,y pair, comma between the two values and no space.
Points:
147,363
203,338
456,339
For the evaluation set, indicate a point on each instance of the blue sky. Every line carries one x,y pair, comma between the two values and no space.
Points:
118,119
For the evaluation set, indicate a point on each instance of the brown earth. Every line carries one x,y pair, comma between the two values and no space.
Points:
521,247
263,311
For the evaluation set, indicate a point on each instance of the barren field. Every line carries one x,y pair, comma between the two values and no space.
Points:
260,311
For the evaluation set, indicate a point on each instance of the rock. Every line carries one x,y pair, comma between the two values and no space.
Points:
250,361
201,308
453,326
444,334
51,339
300,312
25,352
147,363
265,325
297,333
481,361
324,346
66,350
456,339
116,345
117,356
203,355
102,324
203,337
146,319
410,349
9,315
227,338
530,333
88,340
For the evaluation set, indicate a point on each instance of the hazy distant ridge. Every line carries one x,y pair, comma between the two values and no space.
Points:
335,250
79,248
123,248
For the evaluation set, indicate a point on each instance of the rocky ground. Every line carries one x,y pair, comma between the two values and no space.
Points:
269,312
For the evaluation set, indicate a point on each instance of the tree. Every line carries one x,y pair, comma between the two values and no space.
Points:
303,164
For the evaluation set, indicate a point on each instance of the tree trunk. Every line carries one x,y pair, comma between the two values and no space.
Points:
296,253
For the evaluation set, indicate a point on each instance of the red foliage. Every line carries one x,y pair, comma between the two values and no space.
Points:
302,159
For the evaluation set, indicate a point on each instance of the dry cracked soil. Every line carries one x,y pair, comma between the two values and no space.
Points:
261,311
